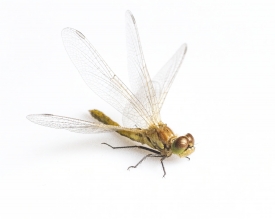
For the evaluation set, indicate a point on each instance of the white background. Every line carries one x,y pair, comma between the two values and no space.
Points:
224,95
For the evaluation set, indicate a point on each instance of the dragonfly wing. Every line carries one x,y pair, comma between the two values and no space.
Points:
165,77
100,78
73,125
140,80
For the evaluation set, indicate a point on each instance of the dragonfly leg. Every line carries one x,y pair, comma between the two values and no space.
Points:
188,158
134,146
161,160
157,154
148,155
152,155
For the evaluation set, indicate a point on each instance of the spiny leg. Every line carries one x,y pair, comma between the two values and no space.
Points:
157,154
152,155
134,146
148,155
161,160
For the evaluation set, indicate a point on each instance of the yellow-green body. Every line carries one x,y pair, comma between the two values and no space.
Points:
100,116
159,137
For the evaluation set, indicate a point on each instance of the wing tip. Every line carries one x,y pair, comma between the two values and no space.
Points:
29,117
68,30
129,13
32,117
184,46
182,49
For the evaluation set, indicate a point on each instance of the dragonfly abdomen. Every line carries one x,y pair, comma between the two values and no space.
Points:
149,137
101,117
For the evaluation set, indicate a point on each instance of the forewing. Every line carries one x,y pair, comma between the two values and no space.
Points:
165,77
73,125
141,84
100,78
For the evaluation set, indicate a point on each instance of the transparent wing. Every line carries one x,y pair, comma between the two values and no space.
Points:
73,125
100,78
165,77
140,80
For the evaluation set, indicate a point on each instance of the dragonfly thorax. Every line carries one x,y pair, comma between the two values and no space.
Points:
163,139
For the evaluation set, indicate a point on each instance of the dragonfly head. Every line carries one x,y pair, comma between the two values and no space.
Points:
183,145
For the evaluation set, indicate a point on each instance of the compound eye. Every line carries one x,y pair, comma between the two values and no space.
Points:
180,145
190,139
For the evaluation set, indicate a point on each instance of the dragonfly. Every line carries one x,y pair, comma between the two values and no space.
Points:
140,106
